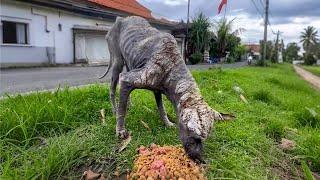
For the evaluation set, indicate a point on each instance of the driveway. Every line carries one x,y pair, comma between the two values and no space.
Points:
23,80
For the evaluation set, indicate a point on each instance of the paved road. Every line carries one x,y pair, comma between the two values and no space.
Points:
306,75
23,80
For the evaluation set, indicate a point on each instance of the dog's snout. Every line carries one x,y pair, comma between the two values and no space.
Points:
193,147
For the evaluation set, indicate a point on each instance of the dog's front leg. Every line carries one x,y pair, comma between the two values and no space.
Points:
128,82
125,89
161,109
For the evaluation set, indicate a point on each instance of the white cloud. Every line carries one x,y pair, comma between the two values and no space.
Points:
287,16
168,2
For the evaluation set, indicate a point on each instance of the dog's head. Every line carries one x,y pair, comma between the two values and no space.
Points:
195,126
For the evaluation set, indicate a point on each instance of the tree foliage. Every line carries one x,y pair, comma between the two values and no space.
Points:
200,34
226,40
309,39
270,49
291,52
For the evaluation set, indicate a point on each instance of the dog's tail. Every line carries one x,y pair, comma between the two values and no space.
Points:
109,67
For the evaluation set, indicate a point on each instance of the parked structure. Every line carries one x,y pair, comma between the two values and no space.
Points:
43,32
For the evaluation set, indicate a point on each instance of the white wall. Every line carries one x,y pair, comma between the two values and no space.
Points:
36,17
44,34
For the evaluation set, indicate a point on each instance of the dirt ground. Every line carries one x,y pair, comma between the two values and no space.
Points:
312,79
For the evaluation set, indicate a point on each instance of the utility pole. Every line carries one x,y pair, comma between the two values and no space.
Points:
277,46
265,39
187,35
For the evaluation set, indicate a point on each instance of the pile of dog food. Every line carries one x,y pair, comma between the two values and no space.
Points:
167,162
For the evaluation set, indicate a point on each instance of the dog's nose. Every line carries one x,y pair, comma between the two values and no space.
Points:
193,148
195,155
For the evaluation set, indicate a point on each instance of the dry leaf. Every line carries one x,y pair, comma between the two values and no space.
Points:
287,144
116,173
103,116
316,176
227,117
243,99
90,175
145,125
124,143
312,112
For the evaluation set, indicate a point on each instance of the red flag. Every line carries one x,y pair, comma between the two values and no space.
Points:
223,2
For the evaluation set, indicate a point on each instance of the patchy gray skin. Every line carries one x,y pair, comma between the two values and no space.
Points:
153,62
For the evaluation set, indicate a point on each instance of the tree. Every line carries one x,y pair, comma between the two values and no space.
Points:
239,51
199,33
224,39
309,38
270,49
291,52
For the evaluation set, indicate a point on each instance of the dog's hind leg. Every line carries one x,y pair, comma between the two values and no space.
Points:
161,109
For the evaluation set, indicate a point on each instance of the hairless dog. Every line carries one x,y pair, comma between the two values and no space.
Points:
153,62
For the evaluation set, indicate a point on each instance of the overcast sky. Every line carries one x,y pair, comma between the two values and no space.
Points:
288,16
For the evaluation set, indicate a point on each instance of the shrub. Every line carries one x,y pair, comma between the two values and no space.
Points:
231,59
195,58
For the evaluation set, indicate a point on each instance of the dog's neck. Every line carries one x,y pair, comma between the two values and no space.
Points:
183,91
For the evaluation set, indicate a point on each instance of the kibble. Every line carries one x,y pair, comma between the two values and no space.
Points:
166,162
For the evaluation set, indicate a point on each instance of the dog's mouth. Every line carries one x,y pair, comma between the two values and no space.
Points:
194,148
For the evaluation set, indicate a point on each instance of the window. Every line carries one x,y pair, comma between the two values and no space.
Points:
14,33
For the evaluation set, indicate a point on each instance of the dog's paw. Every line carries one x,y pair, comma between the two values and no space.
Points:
122,134
170,124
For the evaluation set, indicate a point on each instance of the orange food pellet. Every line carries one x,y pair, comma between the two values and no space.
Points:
166,162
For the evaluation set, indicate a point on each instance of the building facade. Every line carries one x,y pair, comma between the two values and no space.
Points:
49,32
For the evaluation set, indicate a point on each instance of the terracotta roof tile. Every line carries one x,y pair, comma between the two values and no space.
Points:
128,6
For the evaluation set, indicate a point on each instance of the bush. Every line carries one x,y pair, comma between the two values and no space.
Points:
195,58
309,59
231,59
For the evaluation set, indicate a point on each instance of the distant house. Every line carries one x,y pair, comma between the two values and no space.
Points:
254,50
38,32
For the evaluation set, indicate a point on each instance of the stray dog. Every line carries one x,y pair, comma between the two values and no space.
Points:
153,62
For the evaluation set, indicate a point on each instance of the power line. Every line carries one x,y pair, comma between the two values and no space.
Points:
261,3
258,10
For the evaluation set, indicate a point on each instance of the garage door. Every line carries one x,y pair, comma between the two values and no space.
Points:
91,48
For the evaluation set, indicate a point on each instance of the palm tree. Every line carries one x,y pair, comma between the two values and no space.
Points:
199,35
224,35
309,38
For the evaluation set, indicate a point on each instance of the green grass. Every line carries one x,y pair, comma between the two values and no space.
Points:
313,69
59,135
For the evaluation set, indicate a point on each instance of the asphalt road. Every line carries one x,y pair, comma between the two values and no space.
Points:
22,80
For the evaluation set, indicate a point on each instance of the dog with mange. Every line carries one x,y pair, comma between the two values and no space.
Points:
153,62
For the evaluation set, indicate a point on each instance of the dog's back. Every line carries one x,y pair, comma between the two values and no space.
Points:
139,41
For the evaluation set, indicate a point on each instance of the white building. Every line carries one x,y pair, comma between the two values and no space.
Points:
44,32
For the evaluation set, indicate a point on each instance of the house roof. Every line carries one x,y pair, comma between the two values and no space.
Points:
128,6
253,47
